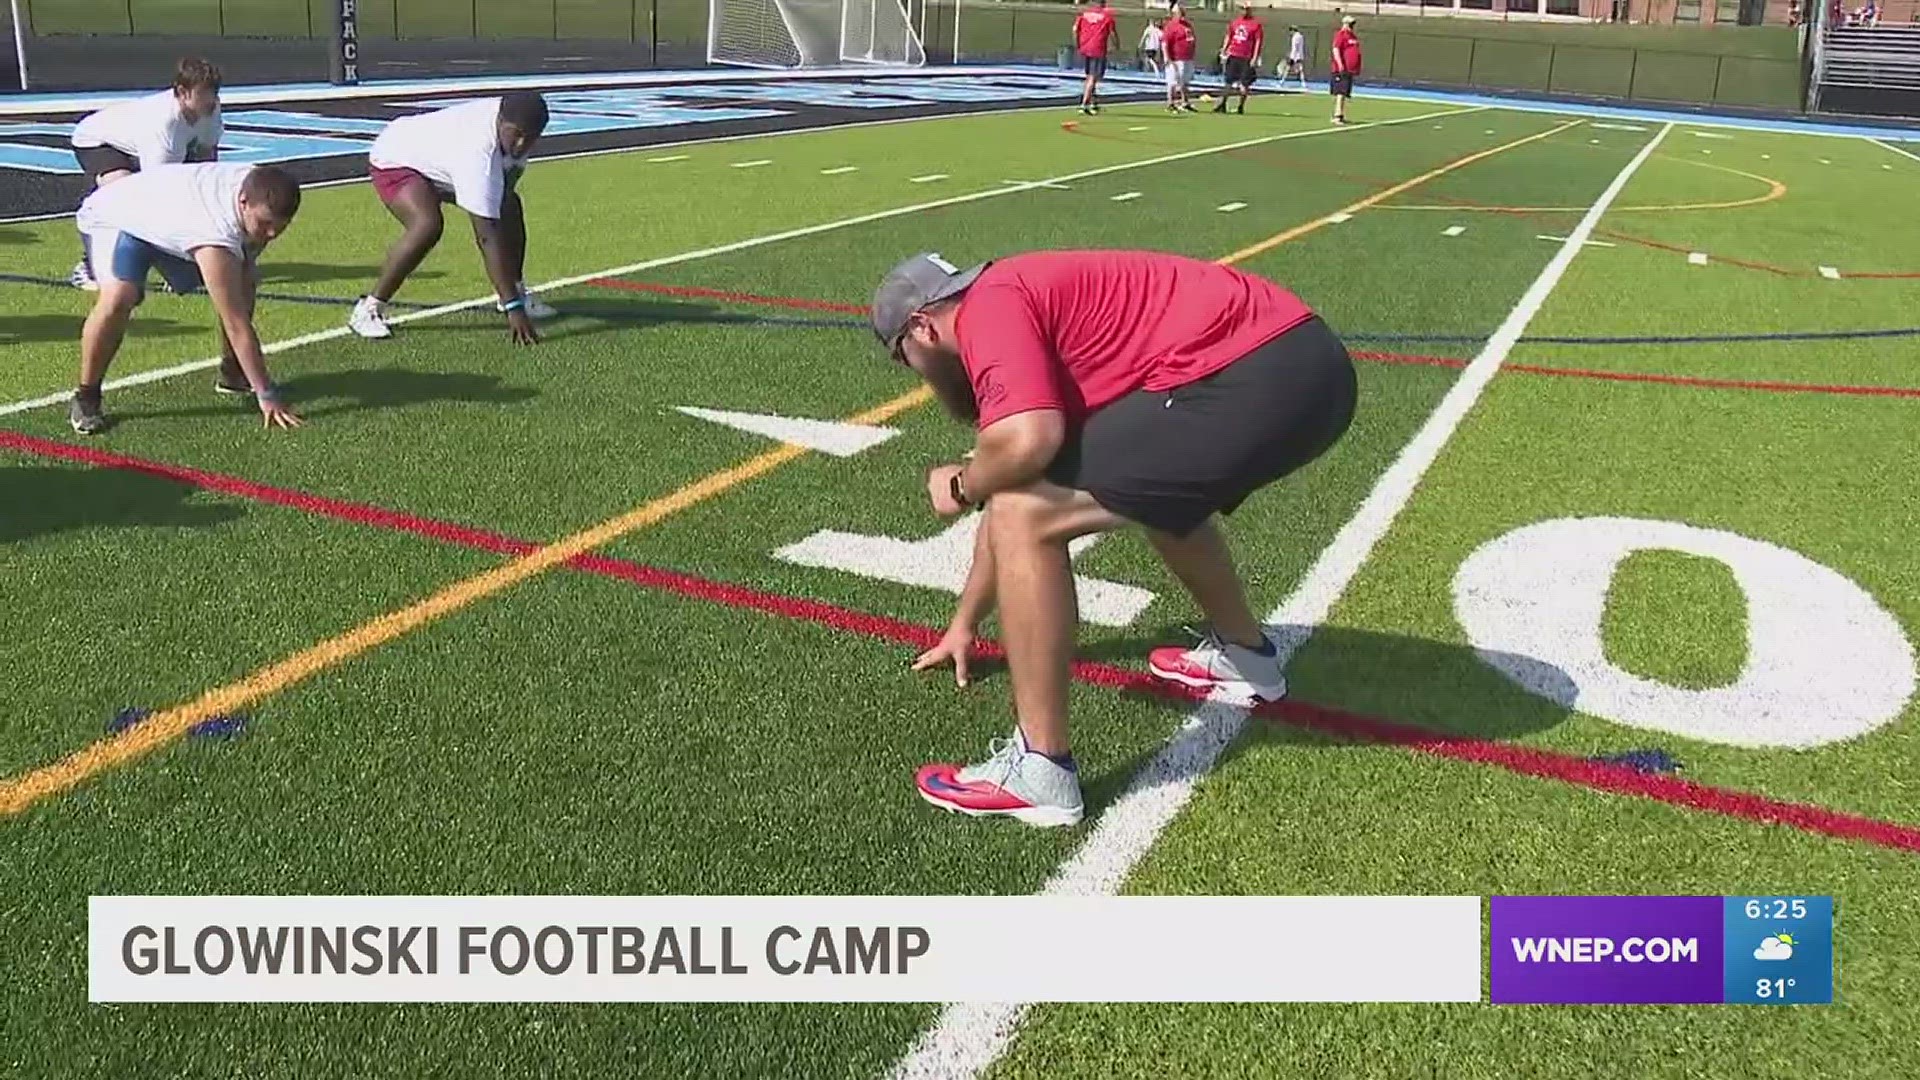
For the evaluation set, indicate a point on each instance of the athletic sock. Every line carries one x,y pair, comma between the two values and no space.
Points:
1065,761
1265,648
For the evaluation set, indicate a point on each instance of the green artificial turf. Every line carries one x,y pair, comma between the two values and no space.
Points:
580,734
1676,618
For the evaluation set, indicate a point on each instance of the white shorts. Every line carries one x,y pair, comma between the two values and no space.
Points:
1179,74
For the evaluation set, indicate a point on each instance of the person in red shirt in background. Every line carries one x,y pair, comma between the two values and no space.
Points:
1180,43
1095,30
1108,389
1346,64
1240,55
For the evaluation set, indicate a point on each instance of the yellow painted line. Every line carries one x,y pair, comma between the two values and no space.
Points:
163,728
20,792
1384,194
1775,190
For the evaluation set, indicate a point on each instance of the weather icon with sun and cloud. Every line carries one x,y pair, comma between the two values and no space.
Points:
1777,947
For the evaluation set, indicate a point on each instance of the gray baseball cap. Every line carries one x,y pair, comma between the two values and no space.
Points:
911,286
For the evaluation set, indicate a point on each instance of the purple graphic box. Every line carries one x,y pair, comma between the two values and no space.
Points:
1591,950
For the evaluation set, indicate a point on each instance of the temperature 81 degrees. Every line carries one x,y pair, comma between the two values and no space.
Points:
1775,989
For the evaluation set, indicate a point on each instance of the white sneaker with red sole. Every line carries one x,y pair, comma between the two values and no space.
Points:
1013,782
1228,672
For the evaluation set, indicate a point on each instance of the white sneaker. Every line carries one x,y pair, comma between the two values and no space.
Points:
1227,671
1013,782
537,308
82,278
369,319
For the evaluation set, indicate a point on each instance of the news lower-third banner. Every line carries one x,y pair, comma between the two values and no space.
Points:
1537,949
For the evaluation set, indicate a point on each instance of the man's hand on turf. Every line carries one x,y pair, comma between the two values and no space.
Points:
521,328
940,490
955,645
274,413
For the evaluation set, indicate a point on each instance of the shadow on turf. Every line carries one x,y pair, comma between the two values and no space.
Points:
17,236
274,272
42,501
1446,688
20,329
333,393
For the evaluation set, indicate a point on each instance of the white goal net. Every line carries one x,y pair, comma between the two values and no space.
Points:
811,33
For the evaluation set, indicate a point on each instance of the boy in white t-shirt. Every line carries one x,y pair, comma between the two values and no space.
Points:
471,155
1296,61
1150,40
166,128
200,225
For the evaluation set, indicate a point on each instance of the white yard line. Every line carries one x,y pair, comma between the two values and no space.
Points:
1228,208
1126,196
1895,149
738,245
966,1039
1453,230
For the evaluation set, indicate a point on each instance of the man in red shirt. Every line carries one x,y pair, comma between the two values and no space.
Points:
1240,56
1346,64
1180,43
1109,388
1095,30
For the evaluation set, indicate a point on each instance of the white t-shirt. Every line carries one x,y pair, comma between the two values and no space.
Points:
176,208
1297,47
149,128
1150,39
457,149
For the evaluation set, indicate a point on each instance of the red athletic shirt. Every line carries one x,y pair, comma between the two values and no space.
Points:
1244,37
1077,330
1093,28
1346,51
1178,39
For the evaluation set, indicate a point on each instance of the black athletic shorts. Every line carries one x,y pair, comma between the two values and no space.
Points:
95,160
1170,459
1095,66
1239,71
1341,84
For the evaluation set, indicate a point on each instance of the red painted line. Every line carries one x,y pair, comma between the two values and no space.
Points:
1728,260
1522,760
1364,354
695,292
1407,358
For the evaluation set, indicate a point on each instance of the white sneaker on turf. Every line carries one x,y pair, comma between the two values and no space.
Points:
537,308
82,277
369,319
1013,782
1228,672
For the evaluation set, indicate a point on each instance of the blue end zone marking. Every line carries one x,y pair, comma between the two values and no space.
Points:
479,83
297,121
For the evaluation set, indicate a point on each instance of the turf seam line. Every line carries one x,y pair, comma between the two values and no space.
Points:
337,332
967,1039
1523,760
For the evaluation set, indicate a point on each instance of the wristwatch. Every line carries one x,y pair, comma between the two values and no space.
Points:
958,489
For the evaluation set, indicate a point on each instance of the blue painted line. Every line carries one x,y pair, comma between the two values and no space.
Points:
1655,339
1645,761
286,298
219,727
734,318
662,311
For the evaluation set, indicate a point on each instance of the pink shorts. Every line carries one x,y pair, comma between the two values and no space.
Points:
389,183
